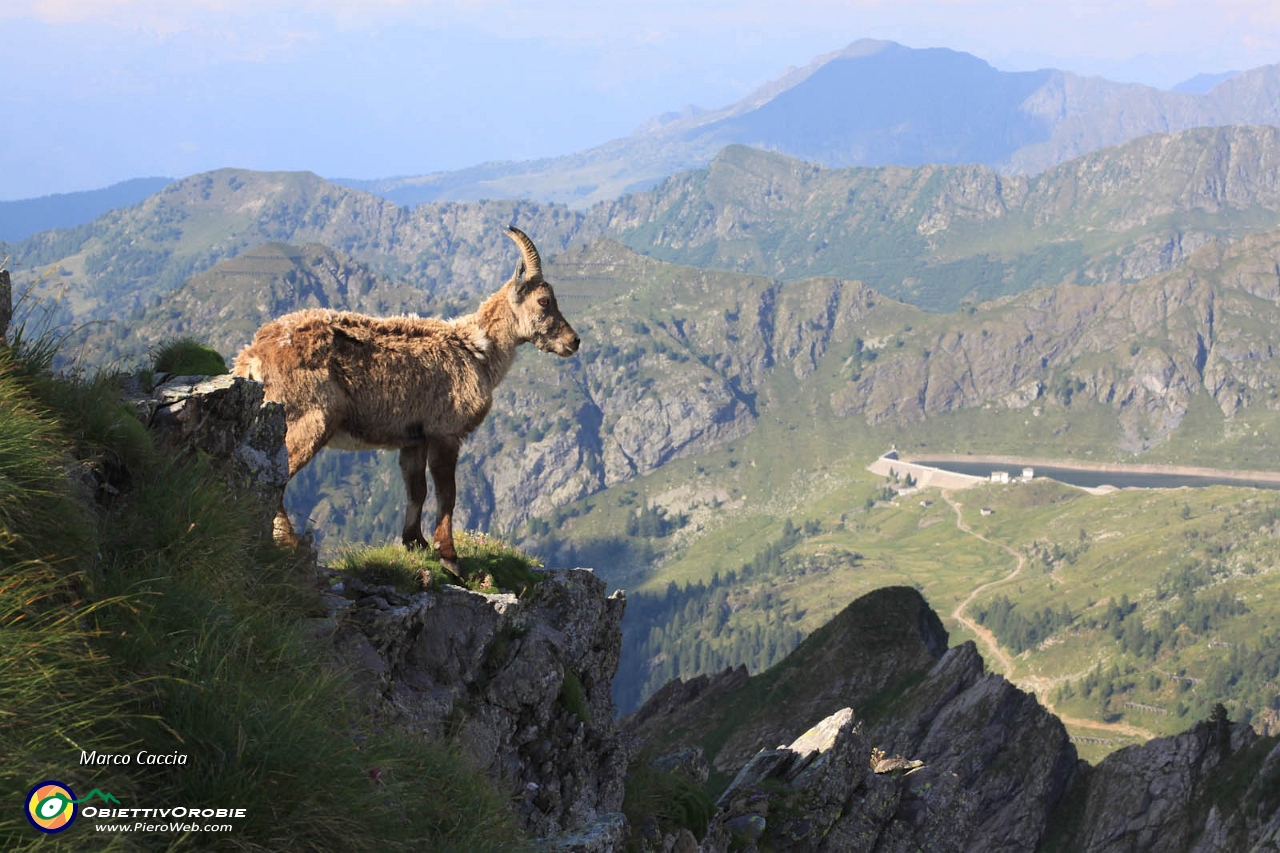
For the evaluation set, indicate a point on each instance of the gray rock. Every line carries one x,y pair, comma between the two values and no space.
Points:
226,418
796,793
1012,759
605,834
688,762
748,828
521,685
1203,791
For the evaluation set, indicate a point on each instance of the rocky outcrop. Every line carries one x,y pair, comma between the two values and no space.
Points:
831,791
875,646
226,418
994,763
945,756
1012,757
521,685
1208,790
962,761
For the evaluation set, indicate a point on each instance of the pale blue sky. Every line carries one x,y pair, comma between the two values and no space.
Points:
97,91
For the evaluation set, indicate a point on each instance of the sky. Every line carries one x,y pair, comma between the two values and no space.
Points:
94,92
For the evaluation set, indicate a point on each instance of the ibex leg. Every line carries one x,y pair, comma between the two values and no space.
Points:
413,469
442,459
303,438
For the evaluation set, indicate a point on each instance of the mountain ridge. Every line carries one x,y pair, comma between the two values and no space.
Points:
21,218
937,236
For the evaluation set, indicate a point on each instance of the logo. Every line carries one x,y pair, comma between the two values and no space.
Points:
51,806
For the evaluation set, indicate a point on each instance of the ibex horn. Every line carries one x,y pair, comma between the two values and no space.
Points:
532,263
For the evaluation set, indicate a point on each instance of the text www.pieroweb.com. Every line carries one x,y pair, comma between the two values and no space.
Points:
170,820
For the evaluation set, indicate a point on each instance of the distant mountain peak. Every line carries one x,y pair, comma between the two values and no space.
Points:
1202,83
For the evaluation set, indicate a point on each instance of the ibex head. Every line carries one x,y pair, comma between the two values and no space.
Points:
538,317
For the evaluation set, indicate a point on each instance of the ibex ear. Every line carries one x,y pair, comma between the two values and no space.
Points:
521,286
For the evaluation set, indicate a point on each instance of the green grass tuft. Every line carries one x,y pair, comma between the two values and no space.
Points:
670,798
187,357
571,696
481,557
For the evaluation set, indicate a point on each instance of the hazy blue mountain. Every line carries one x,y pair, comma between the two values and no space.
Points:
894,105
874,103
1202,83
24,217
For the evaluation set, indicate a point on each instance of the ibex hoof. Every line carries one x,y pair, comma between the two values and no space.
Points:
451,566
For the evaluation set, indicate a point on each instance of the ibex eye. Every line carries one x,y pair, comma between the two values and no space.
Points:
544,301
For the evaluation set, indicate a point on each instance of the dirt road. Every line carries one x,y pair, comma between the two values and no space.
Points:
1035,684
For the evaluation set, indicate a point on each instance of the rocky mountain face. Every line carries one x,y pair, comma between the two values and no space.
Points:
1199,329
890,741
875,103
1211,788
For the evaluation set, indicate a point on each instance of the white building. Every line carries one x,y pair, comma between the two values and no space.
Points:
1028,473
999,476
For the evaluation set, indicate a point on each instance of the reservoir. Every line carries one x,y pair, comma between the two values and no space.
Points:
1093,477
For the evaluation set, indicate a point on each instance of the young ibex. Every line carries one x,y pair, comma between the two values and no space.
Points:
415,385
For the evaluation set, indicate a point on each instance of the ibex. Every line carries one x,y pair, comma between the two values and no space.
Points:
411,384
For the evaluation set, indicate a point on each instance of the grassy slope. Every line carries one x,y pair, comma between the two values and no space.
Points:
158,622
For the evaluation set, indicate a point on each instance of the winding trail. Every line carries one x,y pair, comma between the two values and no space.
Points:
988,638
1039,685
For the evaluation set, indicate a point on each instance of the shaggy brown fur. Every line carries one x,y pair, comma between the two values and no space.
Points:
415,385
